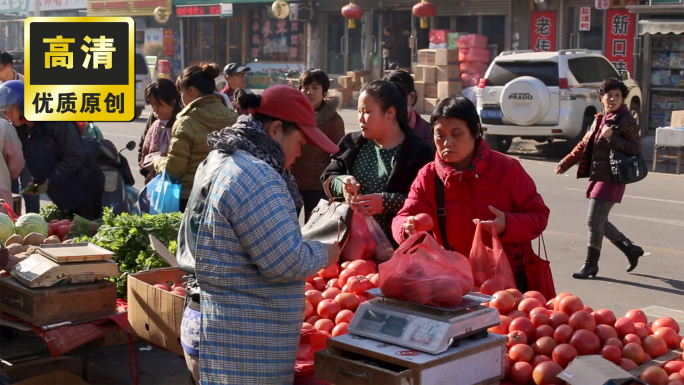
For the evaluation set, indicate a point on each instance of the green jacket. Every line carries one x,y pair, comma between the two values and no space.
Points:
188,147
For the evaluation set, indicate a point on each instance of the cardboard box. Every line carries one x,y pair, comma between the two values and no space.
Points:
677,119
345,82
431,90
447,90
595,370
427,74
155,315
419,107
669,137
448,73
61,377
429,105
420,89
437,57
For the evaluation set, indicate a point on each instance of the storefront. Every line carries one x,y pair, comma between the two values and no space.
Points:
343,49
246,33
660,60
63,8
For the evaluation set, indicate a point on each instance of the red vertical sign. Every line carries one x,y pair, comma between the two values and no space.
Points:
620,26
543,31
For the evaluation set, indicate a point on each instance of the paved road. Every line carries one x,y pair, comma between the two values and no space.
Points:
652,215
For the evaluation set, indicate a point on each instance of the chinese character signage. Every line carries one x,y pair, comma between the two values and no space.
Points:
125,7
79,69
16,6
198,10
543,31
602,4
585,19
620,26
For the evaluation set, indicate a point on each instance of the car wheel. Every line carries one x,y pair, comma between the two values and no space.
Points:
499,143
635,110
586,123
138,112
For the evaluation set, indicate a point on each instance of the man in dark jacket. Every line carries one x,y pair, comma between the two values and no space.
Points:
236,78
56,159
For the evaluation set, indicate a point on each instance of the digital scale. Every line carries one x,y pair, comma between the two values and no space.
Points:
58,264
423,328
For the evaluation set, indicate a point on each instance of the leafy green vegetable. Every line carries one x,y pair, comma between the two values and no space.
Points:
127,236
6,227
31,223
51,212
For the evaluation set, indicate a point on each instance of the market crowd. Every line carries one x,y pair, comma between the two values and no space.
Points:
249,165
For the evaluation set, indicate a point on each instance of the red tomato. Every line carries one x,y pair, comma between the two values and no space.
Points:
624,326
633,352
63,230
331,293
521,352
547,373
558,318
517,294
503,301
491,286
319,283
164,286
666,322
585,342
516,314
654,375
605,332
562,334
362,299
324,325
328,309
538,359
544,346
345,264
636,315
627,364
540,310
563,354
419,292
423,222
582,320
307,326
647,358
362,267
309,280
673,367
308,309
615,342
535,294
340,329
612,354
669,335
501,328
333,283
347,301
446,292
308,286
375,279
524,325
559,297
359,285
543,331
641,331
346,274
527,304
331,271
654,345
604,317
631,339
314,297
521,372
180,290
570,304
312,320
539,319
516,337
344,316
51,231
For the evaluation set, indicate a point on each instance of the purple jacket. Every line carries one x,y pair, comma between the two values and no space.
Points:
422,128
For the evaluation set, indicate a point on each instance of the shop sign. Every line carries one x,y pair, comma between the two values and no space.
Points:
620,26
543,31
226,9
161,14
58,5
169,44
602,4
16,6
198,10
585,19
281,9
125,8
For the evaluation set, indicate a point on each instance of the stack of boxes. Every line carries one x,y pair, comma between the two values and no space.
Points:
437,76
474,57
350,86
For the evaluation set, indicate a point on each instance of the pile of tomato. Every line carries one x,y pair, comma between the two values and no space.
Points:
334,294
545,336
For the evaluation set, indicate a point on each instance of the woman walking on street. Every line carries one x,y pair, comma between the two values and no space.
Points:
310,165
613,129
204,113
375,167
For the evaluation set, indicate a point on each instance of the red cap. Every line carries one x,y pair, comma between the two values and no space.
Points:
286,103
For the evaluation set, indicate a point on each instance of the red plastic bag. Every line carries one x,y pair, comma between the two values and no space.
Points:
474,54
438,36
13,216
421,271
472,41
490,263
473,67
470,80
366,241
310,341
538,271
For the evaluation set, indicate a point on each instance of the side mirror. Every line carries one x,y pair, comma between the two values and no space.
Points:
130,146
625,75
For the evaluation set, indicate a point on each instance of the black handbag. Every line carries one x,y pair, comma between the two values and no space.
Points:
329,221
625,169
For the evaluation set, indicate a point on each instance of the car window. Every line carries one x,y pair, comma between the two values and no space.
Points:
582,69
605,69
503,72
140,65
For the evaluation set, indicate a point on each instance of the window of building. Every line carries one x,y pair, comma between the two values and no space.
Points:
273,40
494,27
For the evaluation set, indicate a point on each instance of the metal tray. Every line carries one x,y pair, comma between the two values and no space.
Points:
470,300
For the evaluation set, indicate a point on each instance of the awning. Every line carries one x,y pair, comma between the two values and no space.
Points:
660,27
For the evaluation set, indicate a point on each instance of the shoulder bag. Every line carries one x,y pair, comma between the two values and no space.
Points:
625,169
329,221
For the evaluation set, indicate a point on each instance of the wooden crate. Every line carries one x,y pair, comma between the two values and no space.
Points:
77,302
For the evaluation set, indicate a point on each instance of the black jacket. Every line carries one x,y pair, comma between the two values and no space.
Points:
413,155
54,151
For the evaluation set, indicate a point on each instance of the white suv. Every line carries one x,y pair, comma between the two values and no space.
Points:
545,95
142,80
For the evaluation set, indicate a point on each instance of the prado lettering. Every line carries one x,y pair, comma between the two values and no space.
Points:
520,96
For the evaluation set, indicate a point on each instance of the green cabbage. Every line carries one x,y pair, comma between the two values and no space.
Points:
6,227
31,223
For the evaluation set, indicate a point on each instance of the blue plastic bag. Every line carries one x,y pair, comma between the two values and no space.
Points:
165,195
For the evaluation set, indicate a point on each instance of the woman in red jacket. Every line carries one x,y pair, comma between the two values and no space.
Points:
478,185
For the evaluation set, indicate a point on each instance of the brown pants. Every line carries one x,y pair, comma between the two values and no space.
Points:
193,366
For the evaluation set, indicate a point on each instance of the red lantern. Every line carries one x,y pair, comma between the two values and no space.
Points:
352,11
424,10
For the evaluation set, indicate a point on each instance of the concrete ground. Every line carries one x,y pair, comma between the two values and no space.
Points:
652,215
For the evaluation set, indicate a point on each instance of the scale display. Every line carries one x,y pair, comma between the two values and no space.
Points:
379,322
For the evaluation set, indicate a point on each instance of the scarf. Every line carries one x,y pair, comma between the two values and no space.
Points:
450,175
248,134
